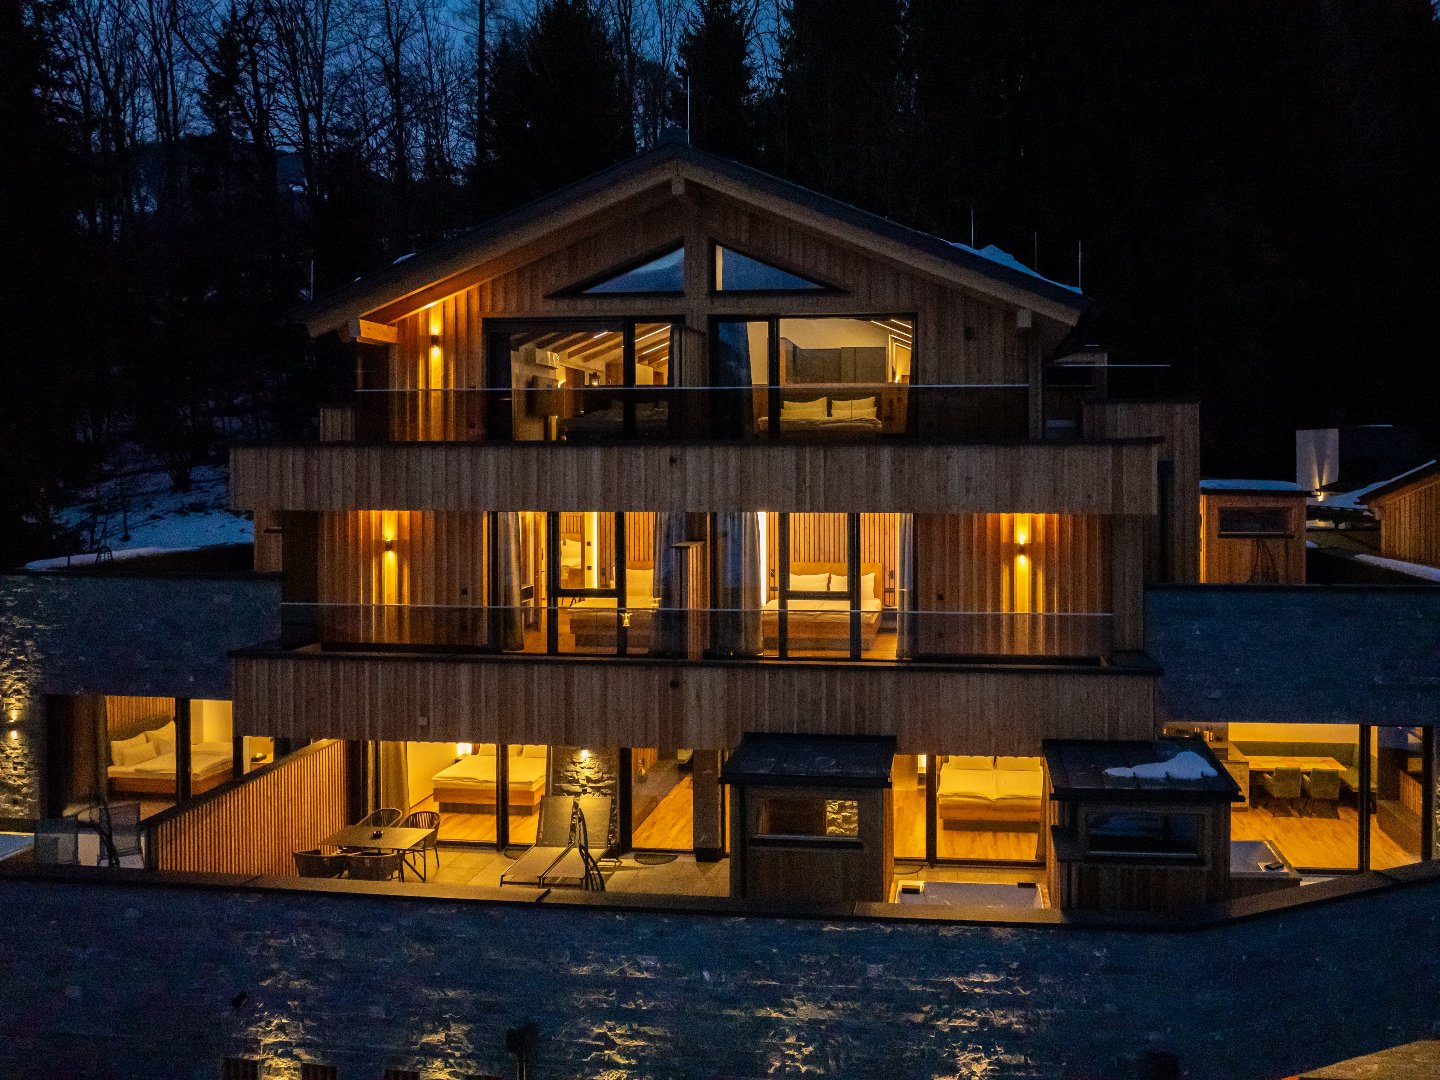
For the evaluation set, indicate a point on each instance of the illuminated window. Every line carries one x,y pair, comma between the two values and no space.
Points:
735,272
662,274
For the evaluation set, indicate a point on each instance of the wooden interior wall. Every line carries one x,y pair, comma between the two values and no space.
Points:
253,825
1178,424
125,714
1410,523
824,538
1059,477
974,563
1235,560
437,565
589,702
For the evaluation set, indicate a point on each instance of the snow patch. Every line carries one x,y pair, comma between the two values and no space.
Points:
1186,765
1251,485
1419,570
1003,258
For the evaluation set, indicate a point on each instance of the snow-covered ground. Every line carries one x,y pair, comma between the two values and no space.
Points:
1417,570
137,514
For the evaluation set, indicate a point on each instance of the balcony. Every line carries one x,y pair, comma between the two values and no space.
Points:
805,413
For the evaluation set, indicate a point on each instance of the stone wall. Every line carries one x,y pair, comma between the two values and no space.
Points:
136,983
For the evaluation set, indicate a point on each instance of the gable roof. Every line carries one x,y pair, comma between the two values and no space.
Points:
674,161
1397,484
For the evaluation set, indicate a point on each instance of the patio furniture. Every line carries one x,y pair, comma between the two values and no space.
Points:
317,863
362,839
118,826
561,852
57,842
1282,785
383,818
375,865
425,819
1323,785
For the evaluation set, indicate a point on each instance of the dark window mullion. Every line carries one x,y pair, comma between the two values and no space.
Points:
621,596
852,567
1362,860
772,349
782,586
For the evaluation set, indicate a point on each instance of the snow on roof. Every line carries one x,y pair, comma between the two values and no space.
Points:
1419,570
1004,258
1251,485
1353,500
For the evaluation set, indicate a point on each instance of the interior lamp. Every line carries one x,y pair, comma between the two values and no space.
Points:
464,749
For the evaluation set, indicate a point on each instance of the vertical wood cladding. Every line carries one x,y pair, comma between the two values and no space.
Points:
1011,584
1410,523
254,826
1242,560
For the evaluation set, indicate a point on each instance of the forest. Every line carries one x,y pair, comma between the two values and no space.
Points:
1254,184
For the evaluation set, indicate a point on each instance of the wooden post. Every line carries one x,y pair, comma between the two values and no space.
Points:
182,750
708,826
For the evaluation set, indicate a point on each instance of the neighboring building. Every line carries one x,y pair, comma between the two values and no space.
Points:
1409,511
1341,459
1252,532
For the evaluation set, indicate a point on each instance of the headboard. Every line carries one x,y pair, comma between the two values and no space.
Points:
842,569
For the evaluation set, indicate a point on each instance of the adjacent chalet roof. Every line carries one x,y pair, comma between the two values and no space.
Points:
811,760
1077,770
1252,487
1397,484
675,163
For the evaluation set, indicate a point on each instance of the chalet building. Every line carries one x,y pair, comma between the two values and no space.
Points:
720,520
1409,511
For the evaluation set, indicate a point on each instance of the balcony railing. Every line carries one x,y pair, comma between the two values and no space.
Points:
805,629
847,412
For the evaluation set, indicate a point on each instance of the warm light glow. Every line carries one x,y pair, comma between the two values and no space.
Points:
764,558
590,549
464,748
584,755
14,734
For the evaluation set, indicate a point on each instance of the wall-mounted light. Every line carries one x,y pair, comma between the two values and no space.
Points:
584,755
390,545
464,749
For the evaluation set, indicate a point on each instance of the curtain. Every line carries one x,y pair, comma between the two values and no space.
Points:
905,586
735,625
669,638
395,776
505,600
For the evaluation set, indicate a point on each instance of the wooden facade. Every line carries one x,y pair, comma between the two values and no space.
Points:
254,824
1410,519
640,702
1059,478
1237,555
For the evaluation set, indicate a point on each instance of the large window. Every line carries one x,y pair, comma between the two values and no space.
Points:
662,799
987,808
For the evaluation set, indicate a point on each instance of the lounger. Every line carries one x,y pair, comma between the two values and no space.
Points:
561,854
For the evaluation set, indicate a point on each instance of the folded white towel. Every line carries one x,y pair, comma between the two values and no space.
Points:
1186,765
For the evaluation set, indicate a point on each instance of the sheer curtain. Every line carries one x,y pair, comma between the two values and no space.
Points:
668,639
905,586
505,599
735,624
394,763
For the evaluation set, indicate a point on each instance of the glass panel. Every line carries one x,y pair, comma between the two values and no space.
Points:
519,597
1254,521
588,623
908,777
1397,779
1143,834
815,589
844,377
807,815
140,739
881,562
662,799
529,780
988,808
663,274
735,272
455,779
742,351
657,353
259,751
560,375
1302,782
212,745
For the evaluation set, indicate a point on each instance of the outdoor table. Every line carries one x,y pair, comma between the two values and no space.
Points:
396,838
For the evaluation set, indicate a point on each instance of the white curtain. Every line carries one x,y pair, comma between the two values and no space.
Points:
735,623
668,639
905,586
505,598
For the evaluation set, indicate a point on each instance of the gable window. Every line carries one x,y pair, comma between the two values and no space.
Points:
663,274
737,272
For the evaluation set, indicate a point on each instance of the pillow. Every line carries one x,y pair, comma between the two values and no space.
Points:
534,750
809,582
854,409
814,409
867,587
839,583
969,761
484,749
639,586
132,751
1020,764
163,738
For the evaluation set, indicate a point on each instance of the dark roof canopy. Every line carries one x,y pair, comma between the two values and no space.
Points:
811,760
1077,770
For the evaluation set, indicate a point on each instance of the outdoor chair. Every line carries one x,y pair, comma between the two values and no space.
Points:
425,819
384,818
1282,785
375,865
118,826
316,863
57,842
1323,785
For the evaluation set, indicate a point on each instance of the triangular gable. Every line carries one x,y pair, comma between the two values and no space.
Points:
737,272
662,274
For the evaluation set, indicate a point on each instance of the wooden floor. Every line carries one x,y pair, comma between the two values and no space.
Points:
979,844
1318,841
479,827
670,826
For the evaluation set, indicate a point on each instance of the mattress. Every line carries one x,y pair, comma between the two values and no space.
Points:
478,771
811,624
990,786
592,621
848,427
206,759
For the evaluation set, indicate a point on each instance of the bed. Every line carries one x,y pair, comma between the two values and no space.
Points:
470,782
828,417
984,790
145,764
824,624
592,619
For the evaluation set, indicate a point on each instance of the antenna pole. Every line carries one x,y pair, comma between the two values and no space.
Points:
1080,264
972,226
687,106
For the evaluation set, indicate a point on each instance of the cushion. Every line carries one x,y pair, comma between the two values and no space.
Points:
809,582
535,750
969,761
163,738
839,583
639,586
132,751
1010,784
484,749
1020,764
867,587
804,410
854,409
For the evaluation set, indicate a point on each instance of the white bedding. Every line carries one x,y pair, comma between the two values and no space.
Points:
990,785
822,608
479,770
205,758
